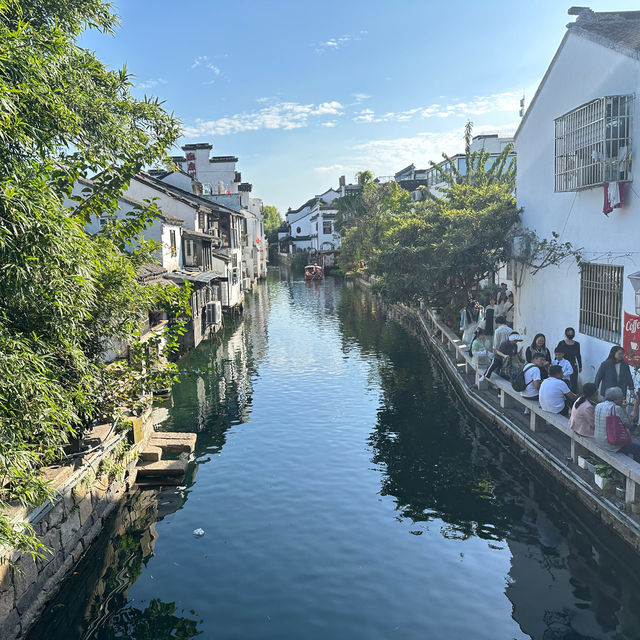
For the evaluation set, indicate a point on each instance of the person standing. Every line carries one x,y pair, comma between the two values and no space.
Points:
538,345
469,317
571,350
488,320
509,310
507,350
560,360
501,332
615,372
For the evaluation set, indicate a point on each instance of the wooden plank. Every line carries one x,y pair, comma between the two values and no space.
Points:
162,468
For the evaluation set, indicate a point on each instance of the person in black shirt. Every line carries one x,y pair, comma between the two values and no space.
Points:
571,350
508,349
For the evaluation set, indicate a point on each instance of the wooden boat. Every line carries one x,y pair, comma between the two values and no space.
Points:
313,272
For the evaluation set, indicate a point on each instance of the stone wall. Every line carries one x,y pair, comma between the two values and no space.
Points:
88,489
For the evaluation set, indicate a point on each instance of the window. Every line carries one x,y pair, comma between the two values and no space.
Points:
326,227
188,243
172,242
298,229
509,274
601,301
593,144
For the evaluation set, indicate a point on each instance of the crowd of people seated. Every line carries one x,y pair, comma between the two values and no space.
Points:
553,380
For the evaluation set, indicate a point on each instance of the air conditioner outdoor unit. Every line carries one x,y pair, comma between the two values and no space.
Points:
521,247
214,312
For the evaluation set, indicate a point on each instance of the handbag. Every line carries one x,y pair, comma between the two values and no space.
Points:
617,433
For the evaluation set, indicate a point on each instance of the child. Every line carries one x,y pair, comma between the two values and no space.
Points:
567,369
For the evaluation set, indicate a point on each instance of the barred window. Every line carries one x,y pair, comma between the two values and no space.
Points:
593,144
601,301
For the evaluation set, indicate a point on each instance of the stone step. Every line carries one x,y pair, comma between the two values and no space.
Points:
162,468
160,481
150,453
171,442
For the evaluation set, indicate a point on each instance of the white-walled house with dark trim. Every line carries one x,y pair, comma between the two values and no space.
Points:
574,148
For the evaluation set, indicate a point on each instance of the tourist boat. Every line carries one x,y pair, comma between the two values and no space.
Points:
313,272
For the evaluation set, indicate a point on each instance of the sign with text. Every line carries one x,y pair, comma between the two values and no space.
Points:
631,339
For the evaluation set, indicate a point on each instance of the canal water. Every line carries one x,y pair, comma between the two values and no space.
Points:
343,493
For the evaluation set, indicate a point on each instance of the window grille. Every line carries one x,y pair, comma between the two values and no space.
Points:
601,301
593,144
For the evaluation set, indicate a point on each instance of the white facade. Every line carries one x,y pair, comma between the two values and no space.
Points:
585,67
306,231
166,230
217,179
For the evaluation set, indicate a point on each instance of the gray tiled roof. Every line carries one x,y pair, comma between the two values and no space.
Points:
621,28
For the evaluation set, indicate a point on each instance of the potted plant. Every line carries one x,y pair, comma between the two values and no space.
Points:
603,475
587,462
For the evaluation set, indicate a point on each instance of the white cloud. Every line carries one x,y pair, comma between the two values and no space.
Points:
337,42
331,168
330,124
283,115
479,105
386,156
360,97
205,63
149,84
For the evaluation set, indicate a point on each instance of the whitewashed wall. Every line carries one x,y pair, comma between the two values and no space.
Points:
549,302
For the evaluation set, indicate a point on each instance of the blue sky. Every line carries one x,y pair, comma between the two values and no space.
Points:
303,92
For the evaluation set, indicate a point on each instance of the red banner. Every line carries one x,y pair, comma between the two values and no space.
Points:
631,339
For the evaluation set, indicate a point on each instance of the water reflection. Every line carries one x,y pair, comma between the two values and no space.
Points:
94,602
562,583
345,492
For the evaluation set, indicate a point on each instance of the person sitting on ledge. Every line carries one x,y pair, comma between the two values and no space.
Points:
555,394
613,399
533,378
583,412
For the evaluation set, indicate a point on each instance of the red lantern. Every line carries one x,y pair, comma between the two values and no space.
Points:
257,240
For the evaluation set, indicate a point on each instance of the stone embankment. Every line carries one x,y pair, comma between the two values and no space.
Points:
88,488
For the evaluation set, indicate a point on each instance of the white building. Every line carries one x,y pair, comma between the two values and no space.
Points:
166,230
217,179
412,179
310,227
575,138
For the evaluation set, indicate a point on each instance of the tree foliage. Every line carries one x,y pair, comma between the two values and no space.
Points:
64,295
272,221
438,248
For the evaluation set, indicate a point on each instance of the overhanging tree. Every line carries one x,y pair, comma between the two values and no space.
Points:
441,247
64,294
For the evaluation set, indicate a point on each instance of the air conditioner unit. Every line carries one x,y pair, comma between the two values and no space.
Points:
521,247
214,312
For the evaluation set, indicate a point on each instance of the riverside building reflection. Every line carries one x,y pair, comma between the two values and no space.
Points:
344,492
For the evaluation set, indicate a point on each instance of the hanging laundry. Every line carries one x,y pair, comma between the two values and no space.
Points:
606,207
614,194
